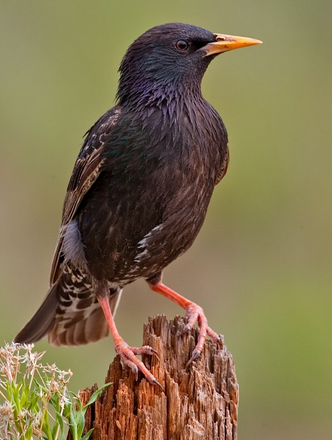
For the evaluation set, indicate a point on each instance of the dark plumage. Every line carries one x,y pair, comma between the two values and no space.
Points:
139,191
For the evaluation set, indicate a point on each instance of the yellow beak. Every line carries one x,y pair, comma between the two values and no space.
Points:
224,43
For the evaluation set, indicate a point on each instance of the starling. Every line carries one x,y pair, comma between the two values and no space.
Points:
139,191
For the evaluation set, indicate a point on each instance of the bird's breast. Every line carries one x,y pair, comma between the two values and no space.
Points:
149,204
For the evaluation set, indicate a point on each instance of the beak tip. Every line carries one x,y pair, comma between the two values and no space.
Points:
249,41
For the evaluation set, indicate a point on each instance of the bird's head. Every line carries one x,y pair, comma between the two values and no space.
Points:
170,59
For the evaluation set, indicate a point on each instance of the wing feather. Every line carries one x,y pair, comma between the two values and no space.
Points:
223,170
86,171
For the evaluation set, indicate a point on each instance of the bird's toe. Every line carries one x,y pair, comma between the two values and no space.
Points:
128,357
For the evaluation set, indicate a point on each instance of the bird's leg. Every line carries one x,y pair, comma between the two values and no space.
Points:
194,314
126,353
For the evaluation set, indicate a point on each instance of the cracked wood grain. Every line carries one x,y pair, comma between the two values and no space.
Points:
198,402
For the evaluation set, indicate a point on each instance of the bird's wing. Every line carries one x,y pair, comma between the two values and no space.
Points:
224,167
87,168
51,317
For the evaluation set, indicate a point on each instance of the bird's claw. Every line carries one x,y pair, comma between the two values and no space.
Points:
155,382
194,356
195,314
185,330
128,357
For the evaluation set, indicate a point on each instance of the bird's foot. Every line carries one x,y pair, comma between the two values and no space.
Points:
195,314
128,356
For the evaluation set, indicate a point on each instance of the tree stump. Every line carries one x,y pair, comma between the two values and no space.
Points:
199,402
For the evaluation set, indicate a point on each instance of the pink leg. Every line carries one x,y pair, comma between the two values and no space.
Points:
194,314
127,353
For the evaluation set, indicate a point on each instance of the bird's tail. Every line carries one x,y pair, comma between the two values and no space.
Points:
42,321
70,314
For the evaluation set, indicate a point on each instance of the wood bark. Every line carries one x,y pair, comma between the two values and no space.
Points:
198,402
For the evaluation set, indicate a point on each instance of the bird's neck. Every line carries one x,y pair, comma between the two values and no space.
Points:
146,93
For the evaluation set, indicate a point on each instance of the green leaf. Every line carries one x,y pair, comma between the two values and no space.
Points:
94,396
28,433
87,435
46,425
59,419
79,416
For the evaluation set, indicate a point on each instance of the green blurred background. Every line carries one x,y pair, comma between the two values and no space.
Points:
261,266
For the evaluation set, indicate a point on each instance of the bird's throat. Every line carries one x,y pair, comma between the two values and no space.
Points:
142,92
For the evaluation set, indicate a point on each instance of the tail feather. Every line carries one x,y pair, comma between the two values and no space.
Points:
82,326
70,314
42,321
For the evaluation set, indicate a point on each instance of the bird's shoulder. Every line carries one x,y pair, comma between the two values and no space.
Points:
89,162
93,146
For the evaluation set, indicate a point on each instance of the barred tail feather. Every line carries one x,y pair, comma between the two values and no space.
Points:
70,314
79,327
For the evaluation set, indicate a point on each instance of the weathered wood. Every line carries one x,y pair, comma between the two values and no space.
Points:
199,402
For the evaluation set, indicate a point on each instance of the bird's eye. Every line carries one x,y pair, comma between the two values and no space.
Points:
182,45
